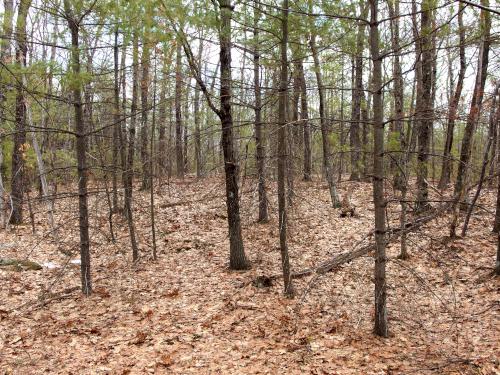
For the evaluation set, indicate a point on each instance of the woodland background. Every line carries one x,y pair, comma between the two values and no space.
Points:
249,187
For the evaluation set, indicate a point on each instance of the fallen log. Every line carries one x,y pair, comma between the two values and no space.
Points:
20,264
348,256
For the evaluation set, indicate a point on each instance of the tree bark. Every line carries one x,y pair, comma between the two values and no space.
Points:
117,122
145,78
453,107
304,117
81,150
425,109
327,163
282,152
5,56
473,117
237,260
197,121
129,179
381,328
354,136
18,183
260,149
178,113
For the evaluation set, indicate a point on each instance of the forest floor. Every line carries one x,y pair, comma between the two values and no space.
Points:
187,313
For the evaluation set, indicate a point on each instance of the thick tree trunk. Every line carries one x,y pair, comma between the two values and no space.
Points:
5,55
381,328
237,259
81,152
18,184
282,152
453,107
425,109
260,149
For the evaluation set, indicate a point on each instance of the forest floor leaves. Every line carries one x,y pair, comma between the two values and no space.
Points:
187,313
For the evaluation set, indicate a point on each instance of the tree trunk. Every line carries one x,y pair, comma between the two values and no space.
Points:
460,190
492,125
162,115
378,179
496,225
81,151
5,55
197,120
327,164
282,152
117,122
260,152
18,184
453,107
178,113
425,109
129,179
145,63
304,117
355,141
237,259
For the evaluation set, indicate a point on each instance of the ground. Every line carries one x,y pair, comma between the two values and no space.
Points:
188,313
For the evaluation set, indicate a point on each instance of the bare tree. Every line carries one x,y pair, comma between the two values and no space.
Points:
81,147
378,178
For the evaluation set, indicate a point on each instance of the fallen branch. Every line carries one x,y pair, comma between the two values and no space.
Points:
348,256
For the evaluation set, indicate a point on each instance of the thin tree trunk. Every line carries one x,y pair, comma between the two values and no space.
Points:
472,119
145,78
129,180
327,164
453,107
197,121
178,113
260,152
378,179
304,117
470,208
282,153
117,122
81,152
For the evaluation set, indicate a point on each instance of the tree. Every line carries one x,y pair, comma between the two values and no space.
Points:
474,112
282,152
81,147
354,133
453,107
19,149
381,328
260,149
178,113
327,162
425,109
